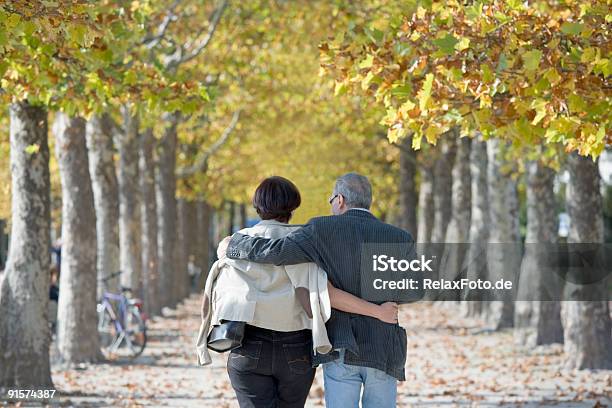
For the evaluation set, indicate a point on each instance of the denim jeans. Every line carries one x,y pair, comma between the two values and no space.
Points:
272,369
343,384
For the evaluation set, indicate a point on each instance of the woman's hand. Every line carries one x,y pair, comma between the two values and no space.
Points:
387,312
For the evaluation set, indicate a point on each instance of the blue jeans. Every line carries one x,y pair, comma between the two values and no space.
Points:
343,386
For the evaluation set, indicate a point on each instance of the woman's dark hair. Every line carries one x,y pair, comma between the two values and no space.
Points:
276,198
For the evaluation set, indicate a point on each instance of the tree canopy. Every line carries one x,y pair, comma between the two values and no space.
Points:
530,72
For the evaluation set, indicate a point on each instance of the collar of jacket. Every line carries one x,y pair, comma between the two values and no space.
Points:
359,212
274,222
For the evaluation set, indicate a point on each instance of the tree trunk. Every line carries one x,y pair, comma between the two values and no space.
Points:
476,265
182,250
77,333
503,261
407,188
100,149
243,216
204,215
129,204
24,331
166,207
586,323
443,187
232,218
3,244
219,227
458,230
459,226
536,320
425,213
148,211
193,241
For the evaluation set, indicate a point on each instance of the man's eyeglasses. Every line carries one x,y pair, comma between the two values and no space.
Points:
332,198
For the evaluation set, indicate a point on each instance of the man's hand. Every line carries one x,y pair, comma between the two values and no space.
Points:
387,312
222,248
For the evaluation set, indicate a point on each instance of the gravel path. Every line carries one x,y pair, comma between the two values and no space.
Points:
451,362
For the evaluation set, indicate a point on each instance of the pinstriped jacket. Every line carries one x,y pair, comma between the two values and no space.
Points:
334,243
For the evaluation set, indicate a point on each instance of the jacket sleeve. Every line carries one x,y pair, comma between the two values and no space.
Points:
297,247
201,342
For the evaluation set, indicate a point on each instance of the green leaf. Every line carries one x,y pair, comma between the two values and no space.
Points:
487,74
463,44
531,60
416,142
3,67
572,28
365,83
601,134
367,62
446,44
425,93
402,49
340,88
375,35
540,108
402,91
503,63
204,94
76,33
576,104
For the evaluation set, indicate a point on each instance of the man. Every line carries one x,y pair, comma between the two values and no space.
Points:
367,353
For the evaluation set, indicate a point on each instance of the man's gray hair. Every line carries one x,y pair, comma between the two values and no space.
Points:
356,190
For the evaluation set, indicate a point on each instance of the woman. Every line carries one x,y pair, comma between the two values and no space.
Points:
285,308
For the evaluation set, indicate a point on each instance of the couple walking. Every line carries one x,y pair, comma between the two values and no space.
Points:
284,280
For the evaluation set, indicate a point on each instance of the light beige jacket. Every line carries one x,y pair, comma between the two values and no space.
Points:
263,295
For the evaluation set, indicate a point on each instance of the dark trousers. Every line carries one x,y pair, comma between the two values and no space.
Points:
272,369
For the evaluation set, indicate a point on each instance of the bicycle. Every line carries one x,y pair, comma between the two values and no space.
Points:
125,326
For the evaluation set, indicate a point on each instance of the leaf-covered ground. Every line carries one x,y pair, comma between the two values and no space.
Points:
452,361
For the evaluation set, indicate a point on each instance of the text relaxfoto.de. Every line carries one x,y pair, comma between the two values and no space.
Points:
384,263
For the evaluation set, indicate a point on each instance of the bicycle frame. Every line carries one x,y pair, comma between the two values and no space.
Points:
118,320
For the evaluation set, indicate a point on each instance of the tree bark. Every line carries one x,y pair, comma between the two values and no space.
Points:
476,265
148,211
129,203
3,244
24,331
232,218
243,216
503,261
193,241
461,200
425,213
99,135
182,250
458,230
407,188
538,322
166,207
443,187
77,332
587,326
204,215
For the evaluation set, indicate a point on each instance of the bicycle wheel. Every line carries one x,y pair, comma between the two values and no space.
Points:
106,327
136,331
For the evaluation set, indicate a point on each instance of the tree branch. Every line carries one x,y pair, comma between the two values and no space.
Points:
152,42
202,164
203,43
